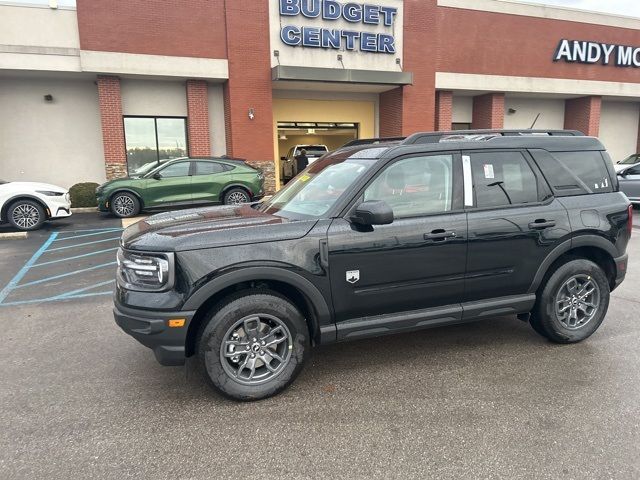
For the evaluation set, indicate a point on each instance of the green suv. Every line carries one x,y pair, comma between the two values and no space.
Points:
182,182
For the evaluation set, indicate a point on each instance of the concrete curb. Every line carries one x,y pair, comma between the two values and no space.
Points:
13,236
85,210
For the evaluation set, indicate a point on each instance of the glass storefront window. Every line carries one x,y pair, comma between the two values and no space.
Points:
150,140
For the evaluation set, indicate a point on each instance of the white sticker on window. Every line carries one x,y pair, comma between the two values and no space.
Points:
488,171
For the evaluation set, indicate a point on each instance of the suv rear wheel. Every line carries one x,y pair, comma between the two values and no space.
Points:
125,205
236,196
254,345
573,302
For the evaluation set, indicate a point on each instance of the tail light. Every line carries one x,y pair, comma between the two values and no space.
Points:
630,220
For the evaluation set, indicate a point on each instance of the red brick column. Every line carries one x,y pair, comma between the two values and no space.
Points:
110,100
390,108
444,110
583,114
488,111
249,87
198,118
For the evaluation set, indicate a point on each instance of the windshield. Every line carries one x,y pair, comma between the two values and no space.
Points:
314,191
629,160
147,167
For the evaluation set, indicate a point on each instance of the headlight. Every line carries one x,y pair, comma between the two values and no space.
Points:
145,271
47,193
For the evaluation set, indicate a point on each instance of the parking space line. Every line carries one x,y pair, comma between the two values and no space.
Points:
25,268
82,244
75,293
75,257
54,299
59,239
62,275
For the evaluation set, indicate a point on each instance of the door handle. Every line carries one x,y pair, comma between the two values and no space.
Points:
541,224
439,235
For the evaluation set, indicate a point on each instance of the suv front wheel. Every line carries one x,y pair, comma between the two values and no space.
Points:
254,345
573,302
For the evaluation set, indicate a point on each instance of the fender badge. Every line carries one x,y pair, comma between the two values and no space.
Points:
353,276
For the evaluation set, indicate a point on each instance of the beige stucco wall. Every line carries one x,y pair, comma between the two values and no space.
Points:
58,142
38,26
551,112
619,128
462,109
216,120
154,98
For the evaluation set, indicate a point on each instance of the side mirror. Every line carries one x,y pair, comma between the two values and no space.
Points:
157,176
373,212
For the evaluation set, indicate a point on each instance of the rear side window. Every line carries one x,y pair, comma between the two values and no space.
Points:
574,173
589,167
502,178
209,168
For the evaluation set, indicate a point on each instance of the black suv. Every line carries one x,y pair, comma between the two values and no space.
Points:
376,239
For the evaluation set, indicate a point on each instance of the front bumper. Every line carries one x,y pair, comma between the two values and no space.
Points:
152,330
59,207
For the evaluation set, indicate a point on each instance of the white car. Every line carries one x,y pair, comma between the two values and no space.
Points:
27,205
628,162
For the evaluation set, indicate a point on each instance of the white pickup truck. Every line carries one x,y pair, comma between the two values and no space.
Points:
288,163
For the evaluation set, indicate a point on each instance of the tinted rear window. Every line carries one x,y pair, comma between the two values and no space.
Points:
589,167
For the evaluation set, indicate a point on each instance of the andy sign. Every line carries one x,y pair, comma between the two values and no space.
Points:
594,52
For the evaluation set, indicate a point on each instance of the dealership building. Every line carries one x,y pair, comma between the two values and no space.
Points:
90,89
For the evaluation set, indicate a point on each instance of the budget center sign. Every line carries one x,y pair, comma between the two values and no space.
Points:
333,25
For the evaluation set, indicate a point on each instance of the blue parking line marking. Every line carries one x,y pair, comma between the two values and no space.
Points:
82,244
25,268
74,293
75,257
59,239
54,299
93,230
62,275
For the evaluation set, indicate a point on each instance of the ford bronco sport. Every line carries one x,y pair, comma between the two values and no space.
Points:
436,229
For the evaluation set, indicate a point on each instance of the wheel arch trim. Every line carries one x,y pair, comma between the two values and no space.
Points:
230,186
21,196
323,325
566,246
127,190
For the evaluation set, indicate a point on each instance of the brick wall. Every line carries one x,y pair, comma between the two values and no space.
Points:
444,110
249,85
488,111
583,114
390,108
188,28
198,118
110,101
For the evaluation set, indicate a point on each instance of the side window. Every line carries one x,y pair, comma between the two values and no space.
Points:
180,169
634,171
588,166
502,178
415,186
209,168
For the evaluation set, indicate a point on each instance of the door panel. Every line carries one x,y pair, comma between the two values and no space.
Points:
416,262
174,186
207,181
630,183
398,268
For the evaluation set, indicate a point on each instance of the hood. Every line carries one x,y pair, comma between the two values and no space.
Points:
33,186
619,167
116,182
209,227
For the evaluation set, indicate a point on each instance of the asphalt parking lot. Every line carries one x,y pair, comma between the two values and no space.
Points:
486,400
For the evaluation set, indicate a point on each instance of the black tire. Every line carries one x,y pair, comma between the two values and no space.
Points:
124,205
236,196
26,215
546,320
222,320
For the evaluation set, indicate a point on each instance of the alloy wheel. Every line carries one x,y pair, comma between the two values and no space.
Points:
256,349
577,301
123,205
26,216
236,198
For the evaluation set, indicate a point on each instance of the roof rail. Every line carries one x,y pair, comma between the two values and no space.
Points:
372,141
482,135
